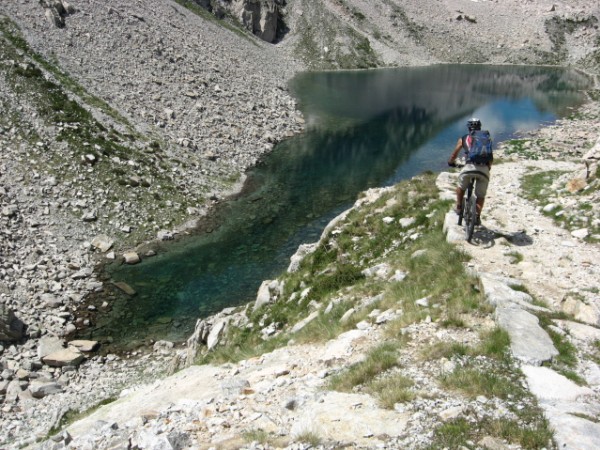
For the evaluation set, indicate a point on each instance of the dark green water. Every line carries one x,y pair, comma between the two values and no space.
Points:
364,129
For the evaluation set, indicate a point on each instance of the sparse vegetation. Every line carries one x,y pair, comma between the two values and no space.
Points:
541,188
72,416
378,361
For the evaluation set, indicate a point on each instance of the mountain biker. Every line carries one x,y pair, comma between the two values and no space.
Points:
481,172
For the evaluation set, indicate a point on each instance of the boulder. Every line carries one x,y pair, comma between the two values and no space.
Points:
215,334
64,357
263,297
48,345
131,258
83,345
11,328
125,288
102,243
40,389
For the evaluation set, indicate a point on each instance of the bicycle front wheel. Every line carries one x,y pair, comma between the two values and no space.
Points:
470,218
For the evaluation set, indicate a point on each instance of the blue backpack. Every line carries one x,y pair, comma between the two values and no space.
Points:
478,144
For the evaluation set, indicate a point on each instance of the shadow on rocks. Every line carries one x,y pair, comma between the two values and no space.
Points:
486,237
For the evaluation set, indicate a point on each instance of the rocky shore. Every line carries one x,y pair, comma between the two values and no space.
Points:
165,127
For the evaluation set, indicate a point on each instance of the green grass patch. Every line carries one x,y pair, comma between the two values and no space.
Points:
460,433
474,382
567,353
13,36
309,437
392,389
378,361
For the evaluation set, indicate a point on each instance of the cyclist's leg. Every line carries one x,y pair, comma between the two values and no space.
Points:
479,203
459,197
463,183
481,186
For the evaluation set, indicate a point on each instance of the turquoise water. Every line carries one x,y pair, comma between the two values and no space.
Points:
364,129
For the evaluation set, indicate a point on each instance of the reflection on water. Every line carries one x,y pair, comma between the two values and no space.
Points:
365,129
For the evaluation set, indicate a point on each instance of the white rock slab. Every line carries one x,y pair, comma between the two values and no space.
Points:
342,346
454,232
529,342
547,385
329,418
196,383
580,331
566,407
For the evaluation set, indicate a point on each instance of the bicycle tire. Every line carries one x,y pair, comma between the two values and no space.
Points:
470,218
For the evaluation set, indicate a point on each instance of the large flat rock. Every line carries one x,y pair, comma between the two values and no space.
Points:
329,417
570,408
547,385
195,383
529,342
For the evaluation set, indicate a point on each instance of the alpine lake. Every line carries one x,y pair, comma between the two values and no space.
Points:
364,129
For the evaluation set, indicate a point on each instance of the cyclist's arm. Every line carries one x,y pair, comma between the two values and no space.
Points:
456,151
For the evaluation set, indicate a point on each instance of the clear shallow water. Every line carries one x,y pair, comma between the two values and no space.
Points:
364,129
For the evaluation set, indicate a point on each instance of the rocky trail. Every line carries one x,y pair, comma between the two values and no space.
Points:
555,266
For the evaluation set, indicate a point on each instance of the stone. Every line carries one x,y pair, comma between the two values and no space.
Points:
89,216
85,346
11,327
102,243
347,315
83,273
64,357
41,389
263,297
48,345
51,300
165,235
398,276
423,302
406,222
529,342
581,233
328,416
215,334
298,326
124,287
492,443
131,258
10,211
451,413
549,386
303,251
380,271
587,313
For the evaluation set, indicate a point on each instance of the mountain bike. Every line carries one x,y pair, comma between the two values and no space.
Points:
468,210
